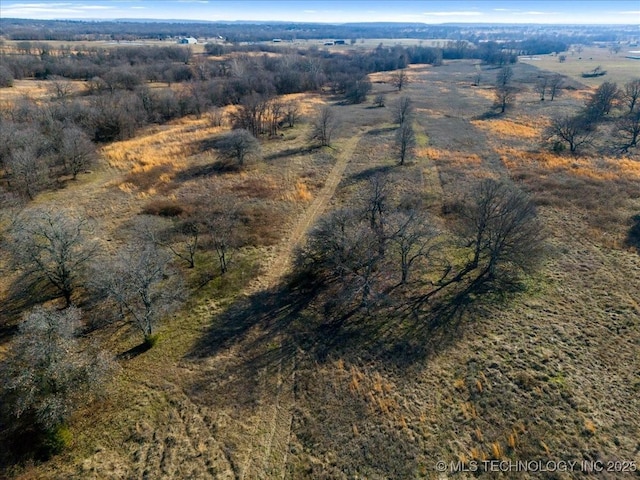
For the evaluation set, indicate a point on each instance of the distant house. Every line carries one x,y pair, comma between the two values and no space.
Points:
340,42
187,41
277,40
328,43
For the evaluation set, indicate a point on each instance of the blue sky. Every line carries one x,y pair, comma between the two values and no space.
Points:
335,11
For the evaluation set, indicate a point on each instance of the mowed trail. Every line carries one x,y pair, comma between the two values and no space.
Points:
268,457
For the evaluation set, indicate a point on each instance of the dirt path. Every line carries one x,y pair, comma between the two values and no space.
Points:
268,458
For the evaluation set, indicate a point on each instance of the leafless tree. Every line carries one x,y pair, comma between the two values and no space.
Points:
575,131
28,171
76,151
412,238
239,146
399,79
504,97
505,235
541,86
140,282
324,126
555,84
251,114
379,100
60,87
403,110
602,101
223,234
504,76
291,113
53,246
405,141
48,373
631,94
628,130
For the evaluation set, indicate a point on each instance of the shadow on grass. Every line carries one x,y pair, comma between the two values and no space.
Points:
290,152
633,237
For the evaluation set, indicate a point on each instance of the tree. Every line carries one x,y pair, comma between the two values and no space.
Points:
52,246
399,79
77,151
324,126
628,130
405,141
504,97
356,90
223,234
555,84
602,101
291,113
575,131
6,77
48,373
504,233
412,237
60,87
28,171
142,286
631,93
379,100
403,110
504,76
541,86
239,146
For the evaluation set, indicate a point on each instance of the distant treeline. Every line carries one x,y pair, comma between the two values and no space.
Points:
18,29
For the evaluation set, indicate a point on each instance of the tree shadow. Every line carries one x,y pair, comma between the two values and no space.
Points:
289,152
633,236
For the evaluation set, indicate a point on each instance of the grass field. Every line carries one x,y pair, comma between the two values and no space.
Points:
619,69
247,381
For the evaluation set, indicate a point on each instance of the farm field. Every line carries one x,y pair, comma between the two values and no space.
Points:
248,381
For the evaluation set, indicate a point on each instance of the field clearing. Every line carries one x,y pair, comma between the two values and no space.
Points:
619,69
250,381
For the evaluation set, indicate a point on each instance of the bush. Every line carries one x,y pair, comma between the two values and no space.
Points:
6,77
56,440
150,341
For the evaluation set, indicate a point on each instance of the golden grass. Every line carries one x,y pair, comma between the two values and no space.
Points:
510,128
606,168
169,145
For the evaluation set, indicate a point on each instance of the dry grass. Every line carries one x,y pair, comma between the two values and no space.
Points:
511,128
550,375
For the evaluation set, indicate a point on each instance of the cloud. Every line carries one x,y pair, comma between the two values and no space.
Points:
630,12
138,8
93,7
310,11
471,13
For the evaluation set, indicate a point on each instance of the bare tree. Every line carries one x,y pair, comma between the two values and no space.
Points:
602,101
324,126
379,100
413,238
504,97
142,286
28,171
60,87
575,131
48,373
504,76
403,110
555,84
77,151
405,141
223,234
504,233
541,86
631,93
399,79
239,146
291,113
52,246
628,130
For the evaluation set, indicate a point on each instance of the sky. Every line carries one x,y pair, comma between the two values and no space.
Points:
335,11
